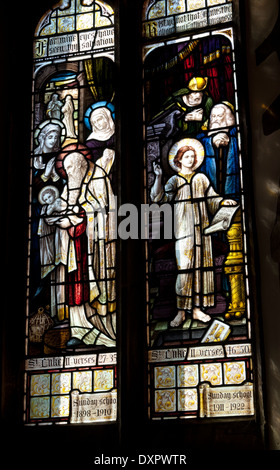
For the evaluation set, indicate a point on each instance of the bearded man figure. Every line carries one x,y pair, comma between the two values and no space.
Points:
90,279
221,151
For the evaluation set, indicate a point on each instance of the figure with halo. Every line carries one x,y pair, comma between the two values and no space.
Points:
91,250
48,136
55,243
194,200
99,118
221,163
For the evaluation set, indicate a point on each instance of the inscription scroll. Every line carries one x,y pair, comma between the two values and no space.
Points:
188,20
74,43
93,407
226,401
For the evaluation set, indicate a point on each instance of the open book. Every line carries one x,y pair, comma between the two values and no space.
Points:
222,219
218,331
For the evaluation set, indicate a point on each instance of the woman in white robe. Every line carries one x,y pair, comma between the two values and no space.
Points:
68,120
48,136
102,134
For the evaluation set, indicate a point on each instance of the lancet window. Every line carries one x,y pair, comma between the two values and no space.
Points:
71,360
199,313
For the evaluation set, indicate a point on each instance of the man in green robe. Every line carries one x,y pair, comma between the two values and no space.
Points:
185,113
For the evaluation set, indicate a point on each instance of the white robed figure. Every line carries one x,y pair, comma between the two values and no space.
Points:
91,287
68,120
194,198
78,248
54,246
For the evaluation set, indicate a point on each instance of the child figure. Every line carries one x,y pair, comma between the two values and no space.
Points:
193,197
55,244
54,207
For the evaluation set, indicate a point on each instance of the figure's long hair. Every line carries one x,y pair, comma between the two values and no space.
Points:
180,153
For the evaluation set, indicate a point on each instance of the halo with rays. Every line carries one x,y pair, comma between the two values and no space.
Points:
188,142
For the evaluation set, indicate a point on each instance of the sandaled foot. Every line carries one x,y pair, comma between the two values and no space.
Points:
179,319
201,316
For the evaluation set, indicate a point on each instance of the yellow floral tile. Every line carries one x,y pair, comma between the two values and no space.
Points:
49,29
85,21
101,20
212,3
165,377
234,372
175,6
66,24
158,10
103,380
195,4
211,373
187,400
39,407
61,383
60,407
165,401
82,381
187,375
40,384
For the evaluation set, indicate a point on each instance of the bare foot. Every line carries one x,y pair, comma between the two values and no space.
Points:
179,319
199,315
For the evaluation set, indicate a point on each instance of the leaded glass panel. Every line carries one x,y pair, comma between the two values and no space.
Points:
199,314
165,17
70,373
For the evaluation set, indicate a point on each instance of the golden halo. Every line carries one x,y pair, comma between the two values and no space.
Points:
194,143
43,191
52,123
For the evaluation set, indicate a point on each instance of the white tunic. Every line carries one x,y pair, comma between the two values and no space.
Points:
193,197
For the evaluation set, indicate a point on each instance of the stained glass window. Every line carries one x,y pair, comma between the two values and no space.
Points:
199,316
70,371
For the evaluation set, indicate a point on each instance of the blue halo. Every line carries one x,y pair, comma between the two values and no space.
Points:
99,104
